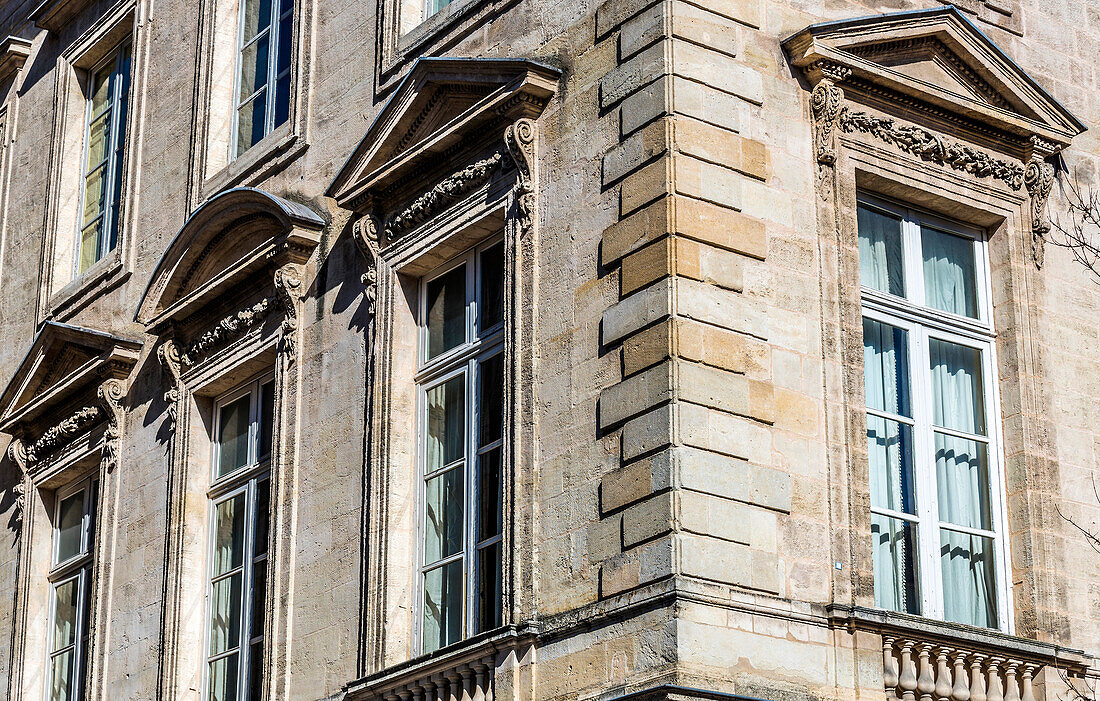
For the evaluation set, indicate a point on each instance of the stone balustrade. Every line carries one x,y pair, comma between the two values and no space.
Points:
920,670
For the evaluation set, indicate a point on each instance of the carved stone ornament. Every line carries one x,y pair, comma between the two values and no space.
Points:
365,233
521,140
289,290
1039,179
825,103
169,355
933,148
231,326
444,193
110,396
54,437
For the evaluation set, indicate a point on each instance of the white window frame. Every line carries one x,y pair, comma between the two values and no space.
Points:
922,324
464,359
272,79
116,151
245,481
79,567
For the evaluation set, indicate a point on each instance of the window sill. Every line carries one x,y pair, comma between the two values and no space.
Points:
89,286
272,153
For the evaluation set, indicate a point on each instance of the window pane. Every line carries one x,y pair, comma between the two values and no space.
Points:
489,494
442,606
282,99
94,185
446,306
89,246
225,614
253,68
98,136
255,16
223,679
61,676
267,417
894,546
446,423
968,584
957,396
490,394
70,526
492,287
233,435
286,38
251,123
229,534
66,602
488,589
962,482
263,517
101,90
259,599
886,367
890,456
256,672
949,278
444,497
881,265
438,5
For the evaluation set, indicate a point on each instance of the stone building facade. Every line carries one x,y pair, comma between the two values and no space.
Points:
510,350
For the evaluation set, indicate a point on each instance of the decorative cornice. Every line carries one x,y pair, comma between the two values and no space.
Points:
933,148
57,436
521,141
447,191
289,291
169,355
233,325
110,395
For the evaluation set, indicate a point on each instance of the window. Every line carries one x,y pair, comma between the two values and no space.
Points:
263,76
461,389
936,485
433,6
239,519
104,142
71,584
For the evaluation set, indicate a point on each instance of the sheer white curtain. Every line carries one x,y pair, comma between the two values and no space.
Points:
962,483
880,260
949,272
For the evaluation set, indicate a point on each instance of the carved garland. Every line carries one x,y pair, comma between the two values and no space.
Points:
232,325
450,189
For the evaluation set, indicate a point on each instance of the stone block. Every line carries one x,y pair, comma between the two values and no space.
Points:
648,432
681,20
605,538
645,185
637,150
718,145
714,305
733,478
707,181
638,310
716,560
712,429
725,390
636,394
637,566
648,519
637,480
634,74
649,346
717,70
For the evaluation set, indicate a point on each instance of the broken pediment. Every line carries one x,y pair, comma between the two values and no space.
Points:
442,107
237,234
937,64
71,379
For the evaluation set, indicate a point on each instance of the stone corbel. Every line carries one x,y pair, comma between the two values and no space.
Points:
1038,179
365,232
825,102
169,355
289,290
521,139
110,395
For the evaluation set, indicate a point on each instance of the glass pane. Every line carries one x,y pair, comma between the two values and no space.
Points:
89,246
490,396
259,599
886,367
444,497
488,587
962,482
61,676
94,184
881,266
890,457
438,5
958,400
489,494
250,123
233,435
256,672
282,99
66,601
968,583
255,16
229,534
223,679
263,517
446,423
101,90
286,38
253,68
442,606
225,614
492,287
98,135
267,417
70,526
446,311
949,277
894,549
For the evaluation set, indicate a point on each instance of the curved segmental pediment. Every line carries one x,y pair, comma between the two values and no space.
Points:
236,234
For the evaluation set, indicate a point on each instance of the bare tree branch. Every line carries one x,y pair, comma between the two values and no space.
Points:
1081,234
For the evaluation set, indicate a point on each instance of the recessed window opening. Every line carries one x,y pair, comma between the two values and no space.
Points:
262,99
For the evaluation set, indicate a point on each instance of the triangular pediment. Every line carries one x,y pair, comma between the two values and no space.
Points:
63,362
442,104
938,61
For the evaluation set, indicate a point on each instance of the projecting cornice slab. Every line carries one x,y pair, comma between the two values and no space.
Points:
13,54
52,15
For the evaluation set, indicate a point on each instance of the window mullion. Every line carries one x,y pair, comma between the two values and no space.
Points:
926,477
472,492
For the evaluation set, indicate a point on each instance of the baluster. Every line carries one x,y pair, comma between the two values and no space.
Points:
961,690
889,667
1012,692
977,678
433,690
456,685
404,694
907,681
943,675
926,683
995,691
479,688
1028,693
417,691
467,681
